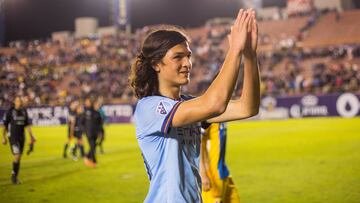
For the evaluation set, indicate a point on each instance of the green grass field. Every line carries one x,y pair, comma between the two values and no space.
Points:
306,160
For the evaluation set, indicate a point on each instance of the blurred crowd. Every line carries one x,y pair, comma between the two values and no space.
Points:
317,71
55,73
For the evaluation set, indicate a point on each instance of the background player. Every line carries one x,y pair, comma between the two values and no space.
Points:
16,120
77,131
70,122
101,137
92,124
217,185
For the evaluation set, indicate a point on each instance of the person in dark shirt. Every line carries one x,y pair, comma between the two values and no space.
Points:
77,129
92,124
16,120
70,121
101,137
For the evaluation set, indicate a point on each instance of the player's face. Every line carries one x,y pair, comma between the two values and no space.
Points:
73,105
176,65
79,109
25,101
88,103
97,105
17,102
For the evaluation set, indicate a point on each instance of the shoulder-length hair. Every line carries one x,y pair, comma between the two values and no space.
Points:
143,77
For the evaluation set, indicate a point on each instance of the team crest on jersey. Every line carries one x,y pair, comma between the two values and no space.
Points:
15,149
161,108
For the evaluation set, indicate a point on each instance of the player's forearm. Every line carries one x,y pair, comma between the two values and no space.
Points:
72,127
203,156
221,89
4,133
250,96
30,133
203,152
203,165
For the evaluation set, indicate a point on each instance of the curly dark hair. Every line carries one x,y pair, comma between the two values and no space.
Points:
143,77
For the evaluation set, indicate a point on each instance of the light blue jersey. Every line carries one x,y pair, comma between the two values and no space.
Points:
171,155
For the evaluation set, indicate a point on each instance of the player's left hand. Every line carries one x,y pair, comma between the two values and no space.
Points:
4,141
252,37
206,185
32,140
31,144
31,148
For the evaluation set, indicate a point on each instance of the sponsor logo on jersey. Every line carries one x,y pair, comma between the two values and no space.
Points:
15,149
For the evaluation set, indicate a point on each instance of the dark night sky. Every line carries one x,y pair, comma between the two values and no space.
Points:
181,12
29,19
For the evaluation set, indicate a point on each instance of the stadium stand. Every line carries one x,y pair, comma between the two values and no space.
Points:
335,28
298,55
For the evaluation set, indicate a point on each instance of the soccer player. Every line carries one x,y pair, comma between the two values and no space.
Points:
77,131
101,137
168,123
217,185
71,119
92,124
16,120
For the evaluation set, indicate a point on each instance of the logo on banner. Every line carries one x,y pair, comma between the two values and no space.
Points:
310,100
47,115
347,105
310,107
269,110
295,111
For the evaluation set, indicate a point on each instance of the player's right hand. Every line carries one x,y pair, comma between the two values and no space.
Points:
32,139
4,141
206,185
239,31
252,37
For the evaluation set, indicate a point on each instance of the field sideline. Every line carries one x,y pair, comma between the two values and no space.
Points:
300,160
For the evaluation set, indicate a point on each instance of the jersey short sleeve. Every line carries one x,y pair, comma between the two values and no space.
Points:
204,124
7,118
154,114
26,122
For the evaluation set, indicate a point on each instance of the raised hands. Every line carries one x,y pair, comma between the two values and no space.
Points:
252,36
239,32
244,32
